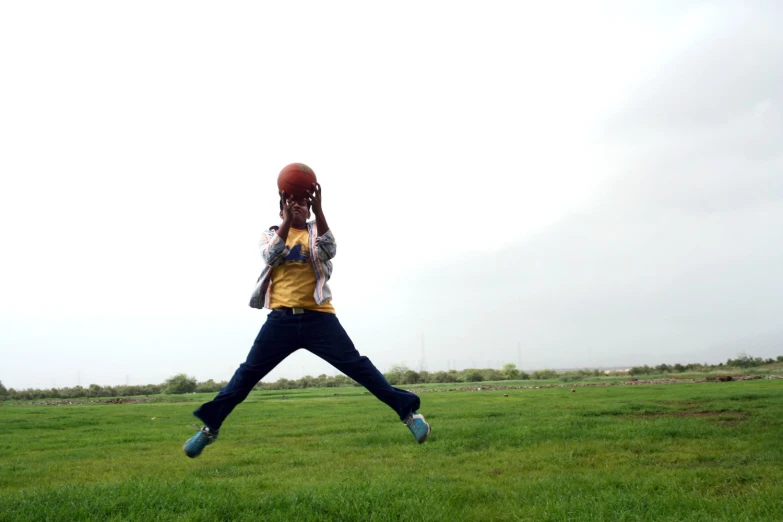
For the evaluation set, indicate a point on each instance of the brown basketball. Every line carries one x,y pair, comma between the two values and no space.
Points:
296,179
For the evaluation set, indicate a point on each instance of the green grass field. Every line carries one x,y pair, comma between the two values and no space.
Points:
684,452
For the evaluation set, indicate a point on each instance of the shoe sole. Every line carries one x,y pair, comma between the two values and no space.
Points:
429,429
190,455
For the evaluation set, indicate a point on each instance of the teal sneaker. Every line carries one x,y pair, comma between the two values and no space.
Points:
196,444
418,426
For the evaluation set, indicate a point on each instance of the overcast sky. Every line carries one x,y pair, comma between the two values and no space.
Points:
553,184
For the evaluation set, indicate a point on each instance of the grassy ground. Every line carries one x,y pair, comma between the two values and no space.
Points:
685,452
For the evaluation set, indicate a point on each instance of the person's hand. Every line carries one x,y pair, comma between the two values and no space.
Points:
314,197
288,209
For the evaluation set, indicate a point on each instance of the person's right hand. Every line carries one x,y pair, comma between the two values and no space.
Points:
288,209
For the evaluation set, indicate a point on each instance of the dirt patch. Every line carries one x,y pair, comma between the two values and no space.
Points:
689,404
130,400
685,404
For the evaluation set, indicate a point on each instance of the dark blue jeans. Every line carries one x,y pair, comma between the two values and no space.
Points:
318,332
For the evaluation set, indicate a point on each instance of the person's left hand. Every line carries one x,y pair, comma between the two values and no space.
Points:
314,197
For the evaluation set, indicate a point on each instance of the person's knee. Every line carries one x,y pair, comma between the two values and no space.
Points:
248,370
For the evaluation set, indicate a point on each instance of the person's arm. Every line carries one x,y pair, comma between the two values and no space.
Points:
273,248
288,217
327,247
315,201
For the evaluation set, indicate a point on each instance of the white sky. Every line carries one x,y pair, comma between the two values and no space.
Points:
140,144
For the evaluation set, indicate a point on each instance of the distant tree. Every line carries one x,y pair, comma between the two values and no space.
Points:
745,361
151,389
780,358
344,380
76,392
544,374
472,375
410,377
439,377
396,373
510,371
3,391
180,383
491,374
571,376
209,386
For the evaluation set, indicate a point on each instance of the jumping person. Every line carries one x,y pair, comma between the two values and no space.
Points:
294,286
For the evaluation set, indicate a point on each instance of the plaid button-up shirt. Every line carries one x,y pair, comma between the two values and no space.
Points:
273,252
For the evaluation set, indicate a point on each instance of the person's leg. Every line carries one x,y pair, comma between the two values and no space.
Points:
324,336
277,339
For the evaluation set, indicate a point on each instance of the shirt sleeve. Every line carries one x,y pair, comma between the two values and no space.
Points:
273,249
326,246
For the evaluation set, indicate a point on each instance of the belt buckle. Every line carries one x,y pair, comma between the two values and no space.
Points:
297,311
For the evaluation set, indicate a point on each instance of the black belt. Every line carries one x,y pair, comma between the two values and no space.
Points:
292,311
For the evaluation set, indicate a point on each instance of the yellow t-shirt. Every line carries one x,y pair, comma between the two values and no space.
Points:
293,281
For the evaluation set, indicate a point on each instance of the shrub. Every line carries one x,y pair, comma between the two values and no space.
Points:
472,375
544,374
180,383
